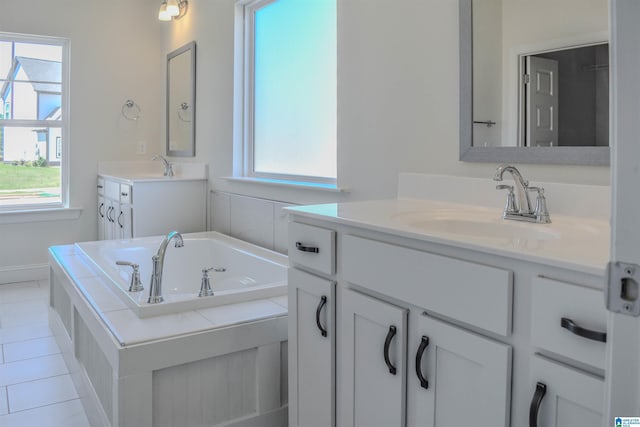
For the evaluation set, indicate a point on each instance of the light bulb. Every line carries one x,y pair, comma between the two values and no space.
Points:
172,8
163,14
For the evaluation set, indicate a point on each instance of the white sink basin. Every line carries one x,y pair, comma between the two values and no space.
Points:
486,229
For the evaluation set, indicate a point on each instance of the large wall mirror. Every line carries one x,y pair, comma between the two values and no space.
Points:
181,101
534,81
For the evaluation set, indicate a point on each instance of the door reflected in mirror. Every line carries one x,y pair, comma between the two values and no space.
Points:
534,77
180,106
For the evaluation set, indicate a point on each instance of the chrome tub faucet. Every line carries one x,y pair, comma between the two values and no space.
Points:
155,288
519,205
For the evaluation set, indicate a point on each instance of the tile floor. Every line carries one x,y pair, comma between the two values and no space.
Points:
35,385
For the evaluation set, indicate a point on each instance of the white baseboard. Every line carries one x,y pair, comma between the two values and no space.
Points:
23,273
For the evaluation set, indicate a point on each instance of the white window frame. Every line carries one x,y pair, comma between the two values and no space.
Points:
63,124
244,96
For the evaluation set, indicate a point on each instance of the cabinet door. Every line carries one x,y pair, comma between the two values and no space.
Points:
571,398
465,377
102,219
123,222
311,350
372,357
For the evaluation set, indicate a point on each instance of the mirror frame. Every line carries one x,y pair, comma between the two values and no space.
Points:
191,151
592,156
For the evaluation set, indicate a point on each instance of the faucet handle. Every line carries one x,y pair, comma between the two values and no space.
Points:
510,207
136,284
541,212
205,284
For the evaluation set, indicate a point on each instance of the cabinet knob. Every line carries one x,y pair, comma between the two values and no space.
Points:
323,302
424,343
541,390
571,326
387,344
311,249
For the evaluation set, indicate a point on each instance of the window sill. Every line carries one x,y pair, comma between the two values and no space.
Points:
39,215
315,186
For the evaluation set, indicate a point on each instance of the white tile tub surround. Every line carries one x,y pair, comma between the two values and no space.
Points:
259,221
132,354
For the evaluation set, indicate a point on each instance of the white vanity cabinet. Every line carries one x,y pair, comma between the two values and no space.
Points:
404,368
312,327
569,392
145,207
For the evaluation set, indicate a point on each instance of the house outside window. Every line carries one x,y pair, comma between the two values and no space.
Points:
288,85
34,123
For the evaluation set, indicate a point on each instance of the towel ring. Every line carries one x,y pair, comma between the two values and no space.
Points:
130,110
181,109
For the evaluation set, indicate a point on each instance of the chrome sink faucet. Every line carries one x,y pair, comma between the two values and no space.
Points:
155,288
518,205
168,166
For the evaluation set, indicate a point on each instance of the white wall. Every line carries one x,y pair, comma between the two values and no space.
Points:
115,55
397,98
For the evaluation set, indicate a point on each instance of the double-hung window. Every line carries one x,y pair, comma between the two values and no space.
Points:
33,121
287,90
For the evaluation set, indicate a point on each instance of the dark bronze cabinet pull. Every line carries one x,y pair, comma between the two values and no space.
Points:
387,344
423,346
541,390
571,326
100,210
323,302
311,249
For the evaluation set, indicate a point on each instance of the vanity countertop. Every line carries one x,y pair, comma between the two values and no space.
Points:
568,242
133,177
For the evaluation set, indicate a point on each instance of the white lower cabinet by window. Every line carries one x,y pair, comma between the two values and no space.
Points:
563,396
311,350
405,367
159,206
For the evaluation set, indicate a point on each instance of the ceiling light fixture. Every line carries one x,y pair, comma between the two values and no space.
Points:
172,9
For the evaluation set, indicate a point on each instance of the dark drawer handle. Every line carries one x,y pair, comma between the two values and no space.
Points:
119,217
570,325
387,344
323,302
100,187
302,248
124,194
423,346
541,390
100,210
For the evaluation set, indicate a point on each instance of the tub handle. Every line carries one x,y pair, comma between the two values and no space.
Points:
323,302
136,284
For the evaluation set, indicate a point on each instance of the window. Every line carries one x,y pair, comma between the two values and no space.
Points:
288,75
33,122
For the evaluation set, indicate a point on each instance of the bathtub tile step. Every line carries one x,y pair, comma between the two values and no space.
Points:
97,290
129,329
226,315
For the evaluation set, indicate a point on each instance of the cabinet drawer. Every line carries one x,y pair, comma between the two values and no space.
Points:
552,301
100,186
112,190
572,398
476,294
125,193
312,247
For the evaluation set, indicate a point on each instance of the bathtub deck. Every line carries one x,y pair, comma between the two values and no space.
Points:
136,371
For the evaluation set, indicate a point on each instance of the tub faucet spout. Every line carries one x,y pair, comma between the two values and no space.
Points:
155,288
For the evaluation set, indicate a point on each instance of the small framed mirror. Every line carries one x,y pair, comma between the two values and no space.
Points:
534,82
181,101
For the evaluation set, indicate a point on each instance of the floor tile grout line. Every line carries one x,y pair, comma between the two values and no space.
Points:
35,357
6,398
34,380
44,406
29,339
